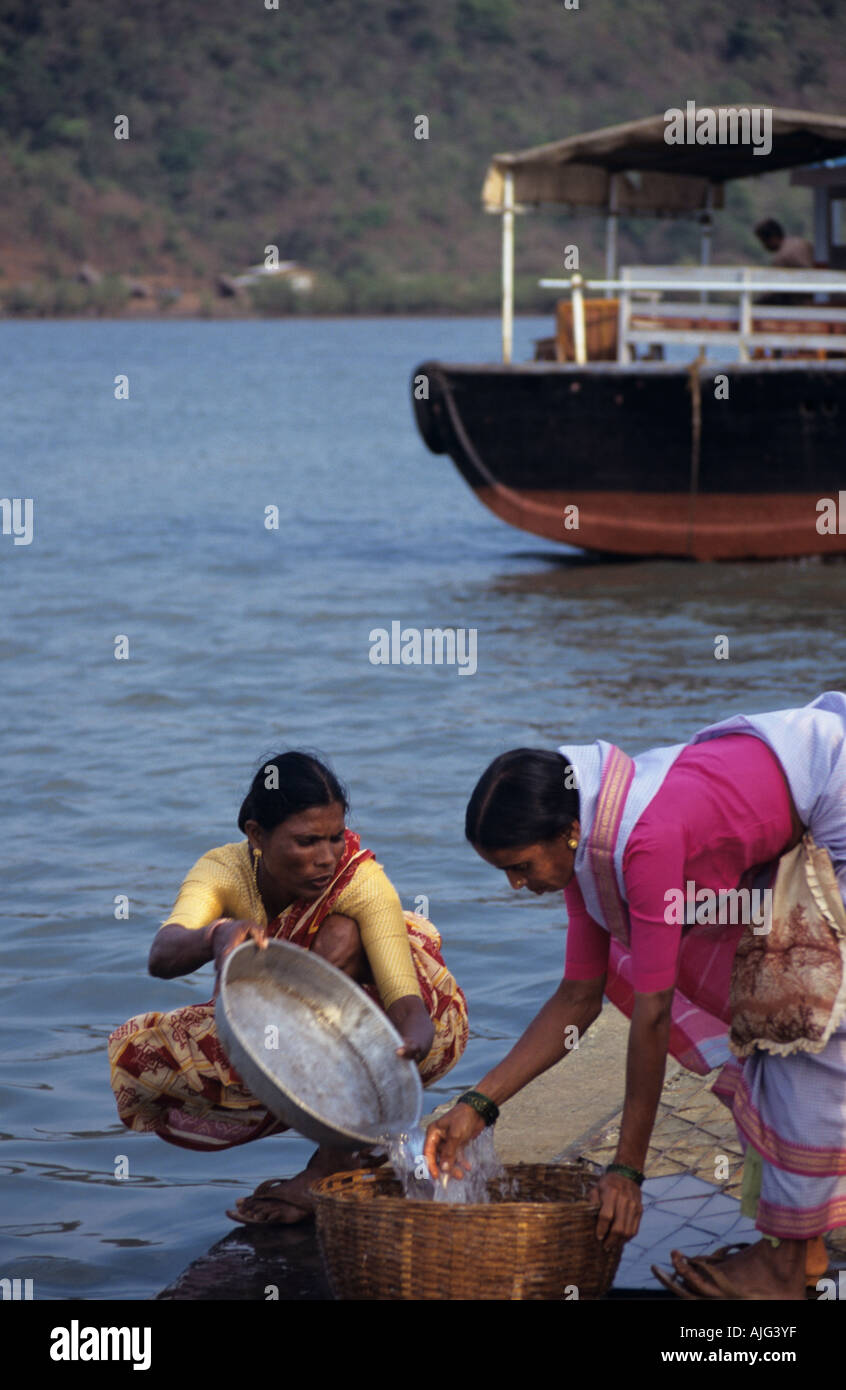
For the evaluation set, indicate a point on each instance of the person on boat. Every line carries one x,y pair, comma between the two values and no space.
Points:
300,876
625,840
788,252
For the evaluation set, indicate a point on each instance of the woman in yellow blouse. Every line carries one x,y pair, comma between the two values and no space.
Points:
303,877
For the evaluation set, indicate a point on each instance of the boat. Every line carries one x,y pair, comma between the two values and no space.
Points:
627,435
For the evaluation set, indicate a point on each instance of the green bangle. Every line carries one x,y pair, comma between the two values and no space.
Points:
488,1109
625,1171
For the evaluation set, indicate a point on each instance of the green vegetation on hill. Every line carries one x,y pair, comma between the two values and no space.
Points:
251,126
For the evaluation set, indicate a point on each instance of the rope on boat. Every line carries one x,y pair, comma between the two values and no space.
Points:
461,435
695,387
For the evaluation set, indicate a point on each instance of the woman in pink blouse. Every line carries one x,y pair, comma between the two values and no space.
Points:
628,840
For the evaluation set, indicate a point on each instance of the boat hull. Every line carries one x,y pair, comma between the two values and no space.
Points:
706,462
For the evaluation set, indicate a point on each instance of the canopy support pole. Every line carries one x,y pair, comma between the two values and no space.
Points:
822,227
579,333
706,224
508,266
611,232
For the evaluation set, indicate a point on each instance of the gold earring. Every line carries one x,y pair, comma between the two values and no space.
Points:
257,854
572,844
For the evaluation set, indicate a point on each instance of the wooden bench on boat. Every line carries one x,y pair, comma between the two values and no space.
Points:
809,320
601,331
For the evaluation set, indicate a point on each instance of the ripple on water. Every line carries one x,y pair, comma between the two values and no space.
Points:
119,775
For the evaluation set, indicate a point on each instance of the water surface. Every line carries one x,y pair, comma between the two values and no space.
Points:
149,524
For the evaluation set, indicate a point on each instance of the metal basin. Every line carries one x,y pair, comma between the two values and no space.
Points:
313,1047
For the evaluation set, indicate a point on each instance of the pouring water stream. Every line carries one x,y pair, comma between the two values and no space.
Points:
405,1153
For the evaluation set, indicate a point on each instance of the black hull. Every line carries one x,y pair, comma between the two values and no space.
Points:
652,458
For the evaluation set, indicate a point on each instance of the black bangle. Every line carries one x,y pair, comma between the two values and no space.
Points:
625,1171
483,1106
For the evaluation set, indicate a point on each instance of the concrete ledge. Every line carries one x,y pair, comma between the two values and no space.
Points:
572,1100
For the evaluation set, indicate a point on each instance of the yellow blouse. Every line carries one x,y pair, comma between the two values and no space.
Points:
221,884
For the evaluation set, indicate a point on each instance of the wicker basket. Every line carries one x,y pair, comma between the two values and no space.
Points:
539,1243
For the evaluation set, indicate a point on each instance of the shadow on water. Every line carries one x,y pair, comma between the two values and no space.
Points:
276,1263
577,559
281,1264
568,559
790,581
571,646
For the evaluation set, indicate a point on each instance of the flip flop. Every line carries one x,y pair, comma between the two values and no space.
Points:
728,1291
718,1256
675,1283
258,1208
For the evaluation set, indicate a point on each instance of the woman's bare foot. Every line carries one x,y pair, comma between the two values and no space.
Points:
285,1201
761,1271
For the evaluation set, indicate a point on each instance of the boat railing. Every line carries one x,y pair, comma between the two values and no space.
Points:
732,315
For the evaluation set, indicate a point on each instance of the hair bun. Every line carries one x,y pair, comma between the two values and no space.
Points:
302,782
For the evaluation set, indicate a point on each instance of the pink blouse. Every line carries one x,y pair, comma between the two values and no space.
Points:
722,809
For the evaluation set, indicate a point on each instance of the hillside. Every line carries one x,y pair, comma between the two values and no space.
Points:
251,126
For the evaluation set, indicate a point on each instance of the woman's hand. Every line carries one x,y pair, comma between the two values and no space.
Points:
646,1059
446,1139
411,1020
620,1208
227,933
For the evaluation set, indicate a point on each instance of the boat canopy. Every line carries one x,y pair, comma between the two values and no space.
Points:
657,177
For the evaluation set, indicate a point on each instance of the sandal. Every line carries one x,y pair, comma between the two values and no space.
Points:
728,1291
263,1207
718,1256
675,1282
725,1290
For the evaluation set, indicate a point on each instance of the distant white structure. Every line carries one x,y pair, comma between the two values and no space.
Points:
300,279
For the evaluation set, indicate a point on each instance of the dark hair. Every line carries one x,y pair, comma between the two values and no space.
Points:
287,784
525,797
769,228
